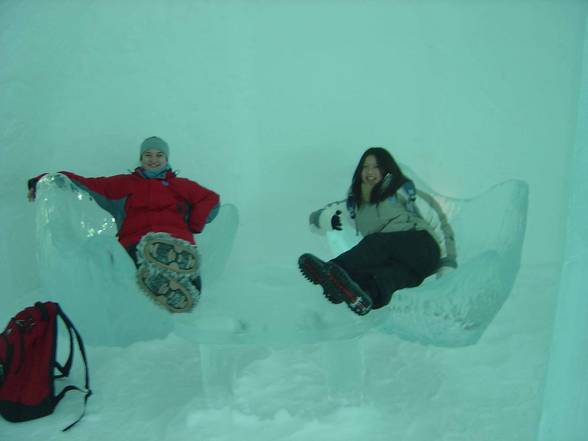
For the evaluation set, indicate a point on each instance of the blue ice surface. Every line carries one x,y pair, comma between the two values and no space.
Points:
454,309
85,269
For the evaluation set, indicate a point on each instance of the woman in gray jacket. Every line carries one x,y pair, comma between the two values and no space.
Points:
406,237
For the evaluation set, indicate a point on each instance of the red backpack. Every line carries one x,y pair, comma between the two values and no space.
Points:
28,349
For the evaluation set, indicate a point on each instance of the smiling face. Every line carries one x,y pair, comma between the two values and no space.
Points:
370,173
153,159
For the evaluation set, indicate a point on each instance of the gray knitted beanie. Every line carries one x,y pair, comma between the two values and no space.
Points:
156,143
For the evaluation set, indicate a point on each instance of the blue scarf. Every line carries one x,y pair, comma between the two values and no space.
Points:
157,173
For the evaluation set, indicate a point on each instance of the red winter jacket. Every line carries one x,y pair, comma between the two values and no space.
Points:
173,205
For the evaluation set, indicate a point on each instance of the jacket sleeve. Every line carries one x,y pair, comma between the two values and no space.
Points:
433,214
203,207
320,220
111,187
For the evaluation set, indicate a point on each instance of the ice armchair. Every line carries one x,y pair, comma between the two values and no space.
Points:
456,308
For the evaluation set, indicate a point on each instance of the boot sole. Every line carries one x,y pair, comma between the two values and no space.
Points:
169,254
168,293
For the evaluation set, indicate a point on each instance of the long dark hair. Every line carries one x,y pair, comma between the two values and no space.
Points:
392,178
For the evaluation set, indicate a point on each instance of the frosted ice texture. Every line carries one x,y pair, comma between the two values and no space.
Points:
456,308
84,268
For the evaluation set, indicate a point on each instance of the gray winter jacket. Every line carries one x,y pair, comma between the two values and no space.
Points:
397,213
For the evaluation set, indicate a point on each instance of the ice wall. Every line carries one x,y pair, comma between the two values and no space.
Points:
251,105
268,101
566,391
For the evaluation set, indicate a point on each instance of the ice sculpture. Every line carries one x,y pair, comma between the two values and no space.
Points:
251,309
83,267
455,309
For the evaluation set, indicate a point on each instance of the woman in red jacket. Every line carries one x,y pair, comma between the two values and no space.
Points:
157,214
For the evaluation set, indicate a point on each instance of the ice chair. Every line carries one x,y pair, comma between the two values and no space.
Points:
455,309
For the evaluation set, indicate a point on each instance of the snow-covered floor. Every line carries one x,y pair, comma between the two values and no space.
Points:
154,390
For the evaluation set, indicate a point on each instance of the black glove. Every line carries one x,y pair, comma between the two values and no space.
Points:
336,221
32,184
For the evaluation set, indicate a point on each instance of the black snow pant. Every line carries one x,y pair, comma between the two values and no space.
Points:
385,262
132,250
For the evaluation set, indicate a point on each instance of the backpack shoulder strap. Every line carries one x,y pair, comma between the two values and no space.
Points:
47,310
67,366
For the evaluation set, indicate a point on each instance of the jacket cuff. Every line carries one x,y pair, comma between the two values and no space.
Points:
212,213
448,261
